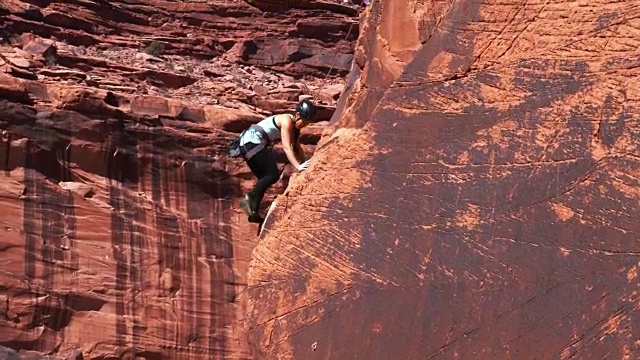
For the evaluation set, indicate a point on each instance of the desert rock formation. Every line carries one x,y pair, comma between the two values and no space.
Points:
477,198
121,237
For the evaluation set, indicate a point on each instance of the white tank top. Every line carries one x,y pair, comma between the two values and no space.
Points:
269,126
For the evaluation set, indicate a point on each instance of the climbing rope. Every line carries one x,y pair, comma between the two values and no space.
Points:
335,57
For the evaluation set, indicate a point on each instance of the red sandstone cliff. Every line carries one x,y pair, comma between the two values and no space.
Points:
478,198
120,234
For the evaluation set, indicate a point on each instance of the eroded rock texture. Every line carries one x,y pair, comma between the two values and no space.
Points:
229,53
481,203
120,236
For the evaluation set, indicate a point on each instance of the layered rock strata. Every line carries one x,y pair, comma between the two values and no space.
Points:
120,233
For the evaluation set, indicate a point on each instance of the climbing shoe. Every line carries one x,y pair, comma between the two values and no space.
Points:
245,204
255,218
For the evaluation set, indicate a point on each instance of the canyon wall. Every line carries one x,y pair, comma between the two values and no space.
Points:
476,199
121,237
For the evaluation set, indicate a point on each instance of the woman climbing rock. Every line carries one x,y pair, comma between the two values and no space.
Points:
255,144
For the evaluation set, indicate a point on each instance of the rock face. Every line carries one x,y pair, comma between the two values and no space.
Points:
207,53
478,200
120,234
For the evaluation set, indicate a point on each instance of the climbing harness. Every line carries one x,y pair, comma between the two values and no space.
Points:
236,149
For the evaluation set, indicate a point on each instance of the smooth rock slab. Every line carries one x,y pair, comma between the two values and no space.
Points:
18,61
486,207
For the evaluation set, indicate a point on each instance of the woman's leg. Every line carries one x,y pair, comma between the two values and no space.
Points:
264,166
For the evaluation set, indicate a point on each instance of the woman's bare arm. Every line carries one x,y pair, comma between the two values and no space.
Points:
287,141
298,150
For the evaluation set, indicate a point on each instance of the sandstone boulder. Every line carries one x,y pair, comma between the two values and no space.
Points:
261,90
41,48
330,93
15,60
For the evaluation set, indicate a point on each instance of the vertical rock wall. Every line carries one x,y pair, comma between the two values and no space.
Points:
121,236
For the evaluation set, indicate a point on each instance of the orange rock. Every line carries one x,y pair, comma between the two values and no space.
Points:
274,105
13,89
225,86
22,53
41,48
285,94
261,90
153,105
330,93
477,199
64,74
218,115
212,74
17,61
